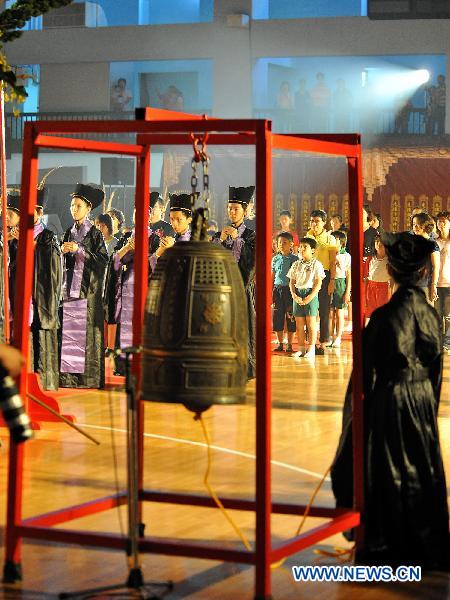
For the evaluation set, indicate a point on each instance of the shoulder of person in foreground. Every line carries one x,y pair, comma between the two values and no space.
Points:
47,236
407,313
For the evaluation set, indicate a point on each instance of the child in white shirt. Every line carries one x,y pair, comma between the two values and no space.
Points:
342,288
306,276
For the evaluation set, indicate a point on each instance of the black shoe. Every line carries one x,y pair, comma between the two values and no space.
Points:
319,351
289,348
279,348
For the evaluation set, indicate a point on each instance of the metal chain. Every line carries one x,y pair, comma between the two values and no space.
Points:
205,165
194,182
206,191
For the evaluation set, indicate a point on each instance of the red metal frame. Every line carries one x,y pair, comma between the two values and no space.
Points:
164,127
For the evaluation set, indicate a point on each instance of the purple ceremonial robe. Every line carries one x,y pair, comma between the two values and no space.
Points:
234,245
125,294
73,349
184,237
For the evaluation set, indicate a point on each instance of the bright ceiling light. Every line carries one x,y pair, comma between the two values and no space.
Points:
422,75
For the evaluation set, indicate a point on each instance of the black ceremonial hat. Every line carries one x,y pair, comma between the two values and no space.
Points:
241,195
154,198
90,193
13,199
181,202
407,252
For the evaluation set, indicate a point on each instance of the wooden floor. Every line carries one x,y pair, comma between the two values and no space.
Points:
63,468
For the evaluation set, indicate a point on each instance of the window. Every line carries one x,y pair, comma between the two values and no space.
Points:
308,9
184,85
343,94
112,13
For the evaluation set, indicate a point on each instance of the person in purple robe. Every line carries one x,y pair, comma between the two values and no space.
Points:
119,289
46,294
241,241
84,264
180,219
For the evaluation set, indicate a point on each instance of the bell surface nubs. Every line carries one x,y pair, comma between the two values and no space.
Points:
195,330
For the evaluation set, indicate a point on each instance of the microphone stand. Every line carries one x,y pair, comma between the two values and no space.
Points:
135,579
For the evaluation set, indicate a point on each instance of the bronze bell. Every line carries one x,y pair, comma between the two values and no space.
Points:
195,329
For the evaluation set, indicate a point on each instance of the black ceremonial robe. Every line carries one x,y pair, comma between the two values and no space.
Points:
245,253
13,246
406,515
46,300
83,280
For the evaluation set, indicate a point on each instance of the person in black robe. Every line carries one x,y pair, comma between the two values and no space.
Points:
46,294
406,513
12,223
250,216
85,261
119,289
241,240
118,220
156,222
181,223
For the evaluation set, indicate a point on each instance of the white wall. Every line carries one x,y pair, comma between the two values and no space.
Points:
74,87
90,162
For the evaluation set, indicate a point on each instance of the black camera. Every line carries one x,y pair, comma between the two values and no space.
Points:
11,405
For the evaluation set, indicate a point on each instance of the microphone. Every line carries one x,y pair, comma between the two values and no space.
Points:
11,405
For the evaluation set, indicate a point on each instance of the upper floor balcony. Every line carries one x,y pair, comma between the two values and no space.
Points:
383,127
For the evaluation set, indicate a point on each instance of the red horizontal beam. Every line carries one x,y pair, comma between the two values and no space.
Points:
196,550
149,545
299,143
48,141
219,139
305,540
70,536
76,512
160,114
341,138
238,504
128,126
37,528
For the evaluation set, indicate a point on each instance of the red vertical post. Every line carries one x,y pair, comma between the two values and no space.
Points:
4,188
356,250
263,360
24,280
142,203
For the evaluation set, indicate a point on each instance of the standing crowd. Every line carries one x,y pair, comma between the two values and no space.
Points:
312,277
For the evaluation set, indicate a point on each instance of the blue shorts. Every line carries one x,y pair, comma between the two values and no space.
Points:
282,311
308,310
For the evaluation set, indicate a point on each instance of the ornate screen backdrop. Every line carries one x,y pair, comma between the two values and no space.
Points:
396,179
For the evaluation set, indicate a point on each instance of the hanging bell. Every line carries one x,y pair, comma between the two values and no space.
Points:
195,330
